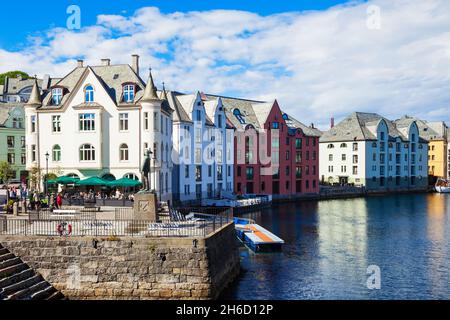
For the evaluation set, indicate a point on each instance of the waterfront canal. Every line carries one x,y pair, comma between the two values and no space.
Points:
330,244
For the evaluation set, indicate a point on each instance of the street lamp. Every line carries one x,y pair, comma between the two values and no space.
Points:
46,176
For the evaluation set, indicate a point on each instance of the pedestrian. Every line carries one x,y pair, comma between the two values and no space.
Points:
59,201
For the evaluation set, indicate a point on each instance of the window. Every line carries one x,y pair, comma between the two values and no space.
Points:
298,157
198,173
33,153
155,121
330,146
238,115
298,143
89,94
22,142
33,124
123,121
219,121
355,159
219,173
11,158
56,153
275,142
288,171
56,123
87,122
343,145
17,123
330,157
298,172
344,157
198,135
198,155
123,150
87,153
355,146
186,171
57,94
10,141
355,170
287,155
23,158
128,93
275,125
145,120
198,115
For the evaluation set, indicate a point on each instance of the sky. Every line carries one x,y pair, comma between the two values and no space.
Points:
319,59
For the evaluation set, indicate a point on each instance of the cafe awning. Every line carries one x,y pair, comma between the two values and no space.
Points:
124,182
92,181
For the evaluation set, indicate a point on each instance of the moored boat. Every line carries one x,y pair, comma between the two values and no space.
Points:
442,186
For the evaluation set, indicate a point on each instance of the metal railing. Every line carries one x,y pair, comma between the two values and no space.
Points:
113,228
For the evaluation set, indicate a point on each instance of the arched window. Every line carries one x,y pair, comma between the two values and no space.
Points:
343,145
123,151
57,94
128,93
108,177
56,153
87,153
330,146
285,116
238,115
89,94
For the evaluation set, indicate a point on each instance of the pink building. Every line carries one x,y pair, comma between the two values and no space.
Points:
274,153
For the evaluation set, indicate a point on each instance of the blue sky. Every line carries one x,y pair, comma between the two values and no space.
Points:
319,59
37,16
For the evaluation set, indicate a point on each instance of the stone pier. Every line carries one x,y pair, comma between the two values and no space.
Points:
133,268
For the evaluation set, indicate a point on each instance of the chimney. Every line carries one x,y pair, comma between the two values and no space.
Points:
106,62
332,123
80,63
135,63
312,125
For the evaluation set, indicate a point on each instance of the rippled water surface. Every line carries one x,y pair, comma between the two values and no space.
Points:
330,244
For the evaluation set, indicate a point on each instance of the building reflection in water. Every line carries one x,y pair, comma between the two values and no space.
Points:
343,244
438,206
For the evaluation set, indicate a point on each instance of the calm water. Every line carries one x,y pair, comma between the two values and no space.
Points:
330,244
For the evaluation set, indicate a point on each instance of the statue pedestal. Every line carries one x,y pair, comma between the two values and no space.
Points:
146,206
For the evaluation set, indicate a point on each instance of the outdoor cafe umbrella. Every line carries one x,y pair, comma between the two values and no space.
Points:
92,181
124,182
66,180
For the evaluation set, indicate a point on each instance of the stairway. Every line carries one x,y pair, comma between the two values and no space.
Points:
19,282
163,212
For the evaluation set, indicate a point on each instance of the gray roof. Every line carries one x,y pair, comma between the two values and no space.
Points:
293,123
112,78
427,130
361,126
5,110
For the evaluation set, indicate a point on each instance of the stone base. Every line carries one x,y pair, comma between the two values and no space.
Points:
146,206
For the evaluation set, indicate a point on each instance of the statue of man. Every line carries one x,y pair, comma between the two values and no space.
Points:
145,174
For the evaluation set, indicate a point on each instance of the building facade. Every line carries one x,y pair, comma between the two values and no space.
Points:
12,140
100,121
202,144
366,149
274,154
435,132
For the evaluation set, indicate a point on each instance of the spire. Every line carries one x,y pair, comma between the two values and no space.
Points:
35,96
150,90
164,92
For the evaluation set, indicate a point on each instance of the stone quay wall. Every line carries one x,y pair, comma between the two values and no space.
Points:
133,268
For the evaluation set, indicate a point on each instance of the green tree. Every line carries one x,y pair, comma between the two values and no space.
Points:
12,74
5,171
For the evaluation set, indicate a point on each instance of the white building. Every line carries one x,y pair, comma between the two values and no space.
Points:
99,121
368,150
203,147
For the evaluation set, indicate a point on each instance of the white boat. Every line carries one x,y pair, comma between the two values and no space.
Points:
442,186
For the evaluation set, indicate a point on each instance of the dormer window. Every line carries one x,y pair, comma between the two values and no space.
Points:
128,93
89,94
238,115
57,94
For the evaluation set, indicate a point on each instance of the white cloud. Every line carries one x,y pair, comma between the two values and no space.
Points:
317,64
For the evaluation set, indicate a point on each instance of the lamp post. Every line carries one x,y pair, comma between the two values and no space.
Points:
46,177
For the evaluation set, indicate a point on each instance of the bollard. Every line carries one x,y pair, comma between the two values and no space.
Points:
15,209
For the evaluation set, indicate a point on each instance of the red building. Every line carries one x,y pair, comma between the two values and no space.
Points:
274,153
